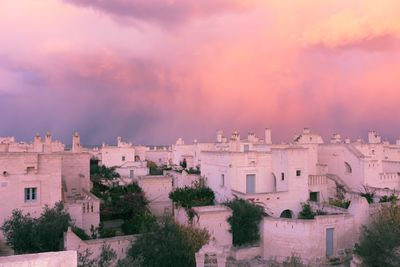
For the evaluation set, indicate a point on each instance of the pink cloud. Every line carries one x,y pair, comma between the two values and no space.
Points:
164,12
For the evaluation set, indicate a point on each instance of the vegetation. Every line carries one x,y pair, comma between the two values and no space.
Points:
380,241
140,223
98,173
292,261
244,222
392,198
120,202
183,163
32,235
193,171
341,203
306,213
80,233
169,245
340,191
106,258
188,197
368,194
154,169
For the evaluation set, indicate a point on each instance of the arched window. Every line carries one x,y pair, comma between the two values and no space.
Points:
287,214
347,167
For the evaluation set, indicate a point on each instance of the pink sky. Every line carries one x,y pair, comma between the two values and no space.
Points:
153,71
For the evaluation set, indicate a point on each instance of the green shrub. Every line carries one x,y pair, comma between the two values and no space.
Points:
244,222
80,233
380,240
141,223
33,235
391,198
189,197
369,197
341,203
306,213
169,245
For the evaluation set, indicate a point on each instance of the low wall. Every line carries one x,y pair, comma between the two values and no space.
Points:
306,238
47,259
119,243
212,218
246,253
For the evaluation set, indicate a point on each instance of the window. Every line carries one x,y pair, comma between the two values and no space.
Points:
298,172
123,158
250,183
246,148
314,196
222,180
283,176
30,194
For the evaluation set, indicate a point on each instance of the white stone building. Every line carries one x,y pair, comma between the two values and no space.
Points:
37,176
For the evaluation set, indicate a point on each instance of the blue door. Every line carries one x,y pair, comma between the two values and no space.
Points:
329,242
250,183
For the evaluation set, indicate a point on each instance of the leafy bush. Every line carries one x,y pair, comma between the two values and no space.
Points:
341,203
189,197
105,232
380,241
193,171
169,245
105,259
98,173
369,196
391,198
141,223
80,233
306,213
245,221
154,169
123,202
32,235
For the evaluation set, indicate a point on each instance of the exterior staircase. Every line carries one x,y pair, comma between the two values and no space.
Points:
339,181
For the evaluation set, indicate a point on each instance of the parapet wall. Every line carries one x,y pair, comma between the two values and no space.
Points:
48,259
119,243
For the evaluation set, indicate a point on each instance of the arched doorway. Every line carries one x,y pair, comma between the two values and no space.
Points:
287,214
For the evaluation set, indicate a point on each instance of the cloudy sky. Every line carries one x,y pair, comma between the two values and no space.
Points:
153,71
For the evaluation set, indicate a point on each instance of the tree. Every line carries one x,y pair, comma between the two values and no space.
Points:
183,163
105,259
170,245
32,235
107,255
85,259
245,220
101,172
380,241
19,232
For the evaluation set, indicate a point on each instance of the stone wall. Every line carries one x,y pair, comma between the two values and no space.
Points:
306,238
119,243
48,259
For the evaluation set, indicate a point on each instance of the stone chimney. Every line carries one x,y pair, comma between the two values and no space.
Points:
76,143
268,136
